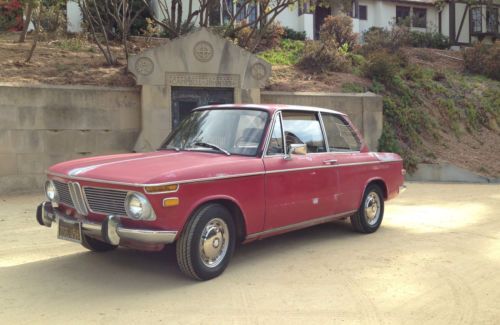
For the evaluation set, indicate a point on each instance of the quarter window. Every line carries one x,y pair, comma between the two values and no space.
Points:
340,135
276,141
303,128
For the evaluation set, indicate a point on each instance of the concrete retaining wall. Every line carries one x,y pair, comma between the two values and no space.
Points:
364,110
41,125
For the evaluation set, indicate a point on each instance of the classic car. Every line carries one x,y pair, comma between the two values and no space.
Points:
228,174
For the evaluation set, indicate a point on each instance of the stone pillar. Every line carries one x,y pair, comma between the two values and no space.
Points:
156,117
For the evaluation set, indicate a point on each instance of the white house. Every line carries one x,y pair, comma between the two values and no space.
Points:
461,21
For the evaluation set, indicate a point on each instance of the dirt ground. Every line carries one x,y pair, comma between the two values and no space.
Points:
436,260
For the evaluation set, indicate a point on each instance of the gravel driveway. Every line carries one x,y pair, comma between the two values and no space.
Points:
436,259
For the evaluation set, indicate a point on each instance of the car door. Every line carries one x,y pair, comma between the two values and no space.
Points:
352,166
300,187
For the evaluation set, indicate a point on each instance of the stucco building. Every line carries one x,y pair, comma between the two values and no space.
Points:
463,21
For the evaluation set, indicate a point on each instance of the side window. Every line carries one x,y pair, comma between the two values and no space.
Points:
303,128
340,135
276,141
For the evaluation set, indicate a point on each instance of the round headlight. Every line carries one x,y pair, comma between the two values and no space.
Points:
50,191
138,207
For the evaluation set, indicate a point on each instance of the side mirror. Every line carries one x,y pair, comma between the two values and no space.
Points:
296,149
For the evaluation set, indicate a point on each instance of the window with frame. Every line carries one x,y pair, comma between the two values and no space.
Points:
276,146
492,20
476,19
303,128
363,12
402,15
419,17
340,135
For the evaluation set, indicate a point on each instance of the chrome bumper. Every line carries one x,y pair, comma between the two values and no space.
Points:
110,230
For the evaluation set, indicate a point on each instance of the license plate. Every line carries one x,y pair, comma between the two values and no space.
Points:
69,230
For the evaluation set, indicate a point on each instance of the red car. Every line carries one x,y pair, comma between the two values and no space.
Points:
228,174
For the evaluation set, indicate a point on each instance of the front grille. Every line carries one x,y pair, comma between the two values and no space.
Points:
63,192
106,201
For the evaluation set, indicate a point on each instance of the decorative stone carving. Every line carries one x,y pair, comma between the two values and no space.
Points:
203,51
202,80
258,71
144,66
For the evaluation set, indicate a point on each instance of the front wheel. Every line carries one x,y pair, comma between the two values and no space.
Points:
371,211
207,243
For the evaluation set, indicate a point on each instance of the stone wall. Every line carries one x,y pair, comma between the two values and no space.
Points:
364,110
43,125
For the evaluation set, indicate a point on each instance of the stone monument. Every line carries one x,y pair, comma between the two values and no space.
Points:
197,69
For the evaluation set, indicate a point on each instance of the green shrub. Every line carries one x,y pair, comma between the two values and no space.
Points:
382,67
483,59
270,39
339,30
287,53
319,56
393,39
429,39
294,35
352,87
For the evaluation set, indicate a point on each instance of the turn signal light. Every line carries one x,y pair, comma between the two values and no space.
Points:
403,172
161,188
170,202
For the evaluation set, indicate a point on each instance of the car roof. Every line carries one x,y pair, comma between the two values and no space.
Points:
271,108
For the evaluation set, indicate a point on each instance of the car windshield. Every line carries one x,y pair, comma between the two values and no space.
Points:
225,131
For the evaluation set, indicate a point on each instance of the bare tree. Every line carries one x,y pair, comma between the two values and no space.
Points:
92,15
169,15
124,15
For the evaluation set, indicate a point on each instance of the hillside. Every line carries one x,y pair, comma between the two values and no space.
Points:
433,110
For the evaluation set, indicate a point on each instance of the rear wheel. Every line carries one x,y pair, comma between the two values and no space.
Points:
96,245
207,243
371,211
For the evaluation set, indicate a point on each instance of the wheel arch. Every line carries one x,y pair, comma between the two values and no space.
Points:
230,204
380,183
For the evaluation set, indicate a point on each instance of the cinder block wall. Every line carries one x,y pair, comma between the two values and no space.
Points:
364,110
41,125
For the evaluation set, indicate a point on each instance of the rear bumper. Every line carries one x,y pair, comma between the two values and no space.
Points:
110,230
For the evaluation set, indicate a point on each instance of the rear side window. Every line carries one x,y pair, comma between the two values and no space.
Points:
303,128
340,135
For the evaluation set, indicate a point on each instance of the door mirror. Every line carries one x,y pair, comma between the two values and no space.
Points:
296,149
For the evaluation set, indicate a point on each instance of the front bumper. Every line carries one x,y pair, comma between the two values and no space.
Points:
110,230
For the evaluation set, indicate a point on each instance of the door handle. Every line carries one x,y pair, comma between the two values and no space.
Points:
330,162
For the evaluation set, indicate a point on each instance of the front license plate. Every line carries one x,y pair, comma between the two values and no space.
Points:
70,230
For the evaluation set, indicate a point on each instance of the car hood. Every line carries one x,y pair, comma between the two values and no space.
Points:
157,167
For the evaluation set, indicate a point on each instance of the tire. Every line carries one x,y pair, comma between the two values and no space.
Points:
96,245
371,211
207,242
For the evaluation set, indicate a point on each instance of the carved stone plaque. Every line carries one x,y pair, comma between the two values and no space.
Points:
202,80
258,71
203,51
144,66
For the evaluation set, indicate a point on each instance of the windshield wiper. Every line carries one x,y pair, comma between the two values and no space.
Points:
213,146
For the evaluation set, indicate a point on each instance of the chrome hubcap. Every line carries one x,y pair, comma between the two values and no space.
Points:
372,208
214,242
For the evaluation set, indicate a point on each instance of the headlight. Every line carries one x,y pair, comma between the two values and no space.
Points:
51,191
138,207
